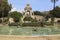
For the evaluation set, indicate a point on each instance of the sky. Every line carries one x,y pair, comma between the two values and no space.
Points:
37,5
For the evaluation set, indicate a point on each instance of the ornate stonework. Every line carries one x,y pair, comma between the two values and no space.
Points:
11,20
28,10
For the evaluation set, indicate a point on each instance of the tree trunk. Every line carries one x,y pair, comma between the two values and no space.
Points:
52,19
54,4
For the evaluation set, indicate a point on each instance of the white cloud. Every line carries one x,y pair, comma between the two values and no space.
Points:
15,9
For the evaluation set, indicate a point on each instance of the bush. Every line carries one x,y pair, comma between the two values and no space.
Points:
16,16
14,24
28,18
31,24
48,23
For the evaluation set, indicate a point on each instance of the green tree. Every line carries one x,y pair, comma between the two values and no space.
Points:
5,7
52,18
37,13
55,12
16,16
28,18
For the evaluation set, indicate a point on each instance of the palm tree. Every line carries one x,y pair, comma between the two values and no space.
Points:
54,1
52,18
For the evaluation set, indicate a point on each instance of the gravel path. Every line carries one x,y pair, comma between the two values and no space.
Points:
57,37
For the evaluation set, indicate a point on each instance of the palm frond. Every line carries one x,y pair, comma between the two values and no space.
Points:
54,0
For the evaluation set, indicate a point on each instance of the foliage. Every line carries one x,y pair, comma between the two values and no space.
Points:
28,18
48,23
31,24
54,1
47,17
39,13
5,7
14,24
52,16
55,12
16,16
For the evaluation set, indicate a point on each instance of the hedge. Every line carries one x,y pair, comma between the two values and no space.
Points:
31,24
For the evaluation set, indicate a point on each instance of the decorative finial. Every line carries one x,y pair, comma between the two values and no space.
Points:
28,4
